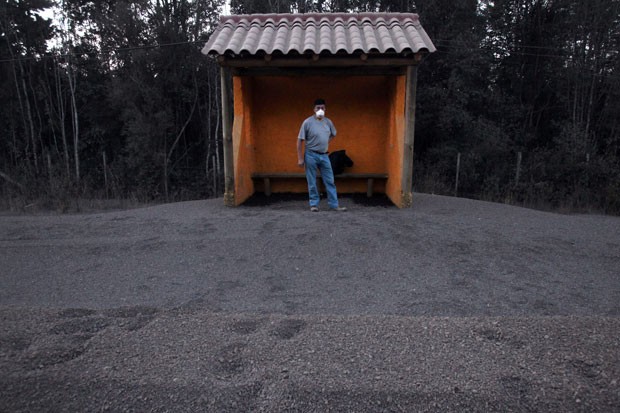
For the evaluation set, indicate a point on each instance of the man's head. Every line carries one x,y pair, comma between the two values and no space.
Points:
319,108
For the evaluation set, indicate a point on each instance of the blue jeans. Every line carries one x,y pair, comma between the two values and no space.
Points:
321,162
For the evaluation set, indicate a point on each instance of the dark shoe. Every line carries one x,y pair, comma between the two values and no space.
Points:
338,209
314,209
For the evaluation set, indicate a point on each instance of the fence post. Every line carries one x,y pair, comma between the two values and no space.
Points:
458,169
588,192
588,170
49,171
518,173
215,171
105,175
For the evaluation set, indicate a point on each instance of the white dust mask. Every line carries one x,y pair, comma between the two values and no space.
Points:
320,113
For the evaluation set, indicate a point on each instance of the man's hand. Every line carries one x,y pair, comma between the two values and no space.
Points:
300,153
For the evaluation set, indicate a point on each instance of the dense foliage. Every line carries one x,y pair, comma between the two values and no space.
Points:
114,99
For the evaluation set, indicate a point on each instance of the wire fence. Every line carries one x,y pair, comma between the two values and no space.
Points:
585,182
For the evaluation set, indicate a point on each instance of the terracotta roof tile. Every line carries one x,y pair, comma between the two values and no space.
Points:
319,33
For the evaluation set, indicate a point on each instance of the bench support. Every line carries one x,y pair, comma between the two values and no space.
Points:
267,186
371,182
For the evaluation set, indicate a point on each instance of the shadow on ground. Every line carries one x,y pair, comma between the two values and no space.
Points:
259,199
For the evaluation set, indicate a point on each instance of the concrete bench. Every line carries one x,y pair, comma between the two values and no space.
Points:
266,177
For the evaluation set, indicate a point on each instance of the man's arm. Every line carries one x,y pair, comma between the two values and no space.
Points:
332,130
300,152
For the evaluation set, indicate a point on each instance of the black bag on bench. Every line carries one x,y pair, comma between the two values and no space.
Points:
339,161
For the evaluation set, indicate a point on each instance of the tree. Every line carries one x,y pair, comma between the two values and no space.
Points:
536,77
23,42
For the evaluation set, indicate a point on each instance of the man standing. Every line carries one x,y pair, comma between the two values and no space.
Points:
316,131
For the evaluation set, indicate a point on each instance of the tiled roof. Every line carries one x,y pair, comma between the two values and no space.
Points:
348,33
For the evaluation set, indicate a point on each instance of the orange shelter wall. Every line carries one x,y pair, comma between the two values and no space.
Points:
358,106
366,111
243,142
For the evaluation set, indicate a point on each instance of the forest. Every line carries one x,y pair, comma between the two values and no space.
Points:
113,100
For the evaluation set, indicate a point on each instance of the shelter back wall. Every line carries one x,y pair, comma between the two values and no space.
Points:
358,106
361,107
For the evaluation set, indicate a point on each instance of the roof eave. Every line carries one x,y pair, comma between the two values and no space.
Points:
314,60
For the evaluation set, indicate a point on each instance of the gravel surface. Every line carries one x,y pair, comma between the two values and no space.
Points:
452,305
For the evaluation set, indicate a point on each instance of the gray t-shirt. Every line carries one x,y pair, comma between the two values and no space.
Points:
317,133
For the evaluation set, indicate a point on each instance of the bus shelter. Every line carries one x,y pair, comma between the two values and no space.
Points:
363,65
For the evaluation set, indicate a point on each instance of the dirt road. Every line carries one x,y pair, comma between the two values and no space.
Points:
453,305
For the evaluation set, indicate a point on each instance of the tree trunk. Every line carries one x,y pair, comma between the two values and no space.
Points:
5,28
218,118
208,134
178,137
62,115
71,76
39,120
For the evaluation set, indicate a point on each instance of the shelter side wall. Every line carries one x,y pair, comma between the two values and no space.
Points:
243,146
359,106
395,144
